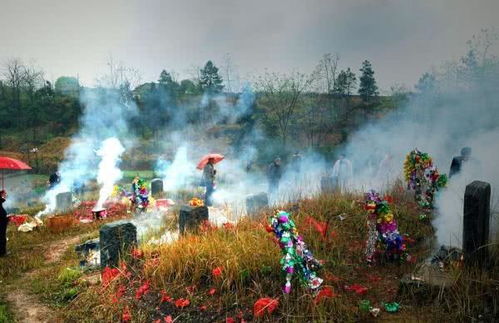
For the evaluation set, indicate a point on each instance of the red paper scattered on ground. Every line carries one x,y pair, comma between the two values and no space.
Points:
126,317
358,289
165,297
216,272
264,305
182,302
142,290
108,275
137,253
325,292
332,278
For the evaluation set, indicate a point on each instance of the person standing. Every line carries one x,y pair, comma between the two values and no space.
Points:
342,172
4,220
385,174
209,173
54,179
274,174
457,162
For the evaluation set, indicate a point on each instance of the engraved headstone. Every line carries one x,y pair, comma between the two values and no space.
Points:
156,186
115,241
476,223
191,217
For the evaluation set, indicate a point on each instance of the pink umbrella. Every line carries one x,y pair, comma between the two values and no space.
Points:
216,158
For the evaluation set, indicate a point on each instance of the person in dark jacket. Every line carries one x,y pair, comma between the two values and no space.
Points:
54,179
209,173
4,220
457,162
274,174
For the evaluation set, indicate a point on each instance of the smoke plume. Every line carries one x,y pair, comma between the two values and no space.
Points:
105,115
109,173
459,108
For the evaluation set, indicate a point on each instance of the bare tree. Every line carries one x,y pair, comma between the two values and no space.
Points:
279,100
18,78
14,77
230,75
119,75
325,72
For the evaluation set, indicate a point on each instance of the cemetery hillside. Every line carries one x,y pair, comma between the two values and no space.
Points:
279,180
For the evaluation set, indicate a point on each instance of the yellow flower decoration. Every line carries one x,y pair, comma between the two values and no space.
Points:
388,217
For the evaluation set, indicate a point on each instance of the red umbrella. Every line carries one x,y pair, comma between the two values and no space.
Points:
11,164
216,158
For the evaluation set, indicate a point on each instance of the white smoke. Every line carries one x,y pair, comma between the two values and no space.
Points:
179,173
450,201
461,109
109,172
104,115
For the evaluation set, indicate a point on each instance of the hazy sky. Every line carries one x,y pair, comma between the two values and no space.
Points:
402,38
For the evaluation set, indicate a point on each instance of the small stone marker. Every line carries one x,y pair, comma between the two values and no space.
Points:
85,249
115,240
327,184
476,224
191,217
156,186
256,203
64,201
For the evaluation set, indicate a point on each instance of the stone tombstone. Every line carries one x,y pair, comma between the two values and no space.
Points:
156,186
115,241
64,201
256,203
83,250
328,184
191,217
476,223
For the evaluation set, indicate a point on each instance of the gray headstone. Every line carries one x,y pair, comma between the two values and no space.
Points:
327,184
64,201
256,203
476,223
156,186
191,217
115,241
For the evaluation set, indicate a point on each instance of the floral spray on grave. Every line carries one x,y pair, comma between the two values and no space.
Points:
383,237
296,258
423,177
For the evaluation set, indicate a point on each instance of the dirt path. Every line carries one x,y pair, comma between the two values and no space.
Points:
56,249
25,306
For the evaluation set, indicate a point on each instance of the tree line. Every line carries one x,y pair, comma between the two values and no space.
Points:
315,109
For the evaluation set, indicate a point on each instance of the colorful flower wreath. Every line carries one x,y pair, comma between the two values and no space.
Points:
383,235
423,177
296,256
